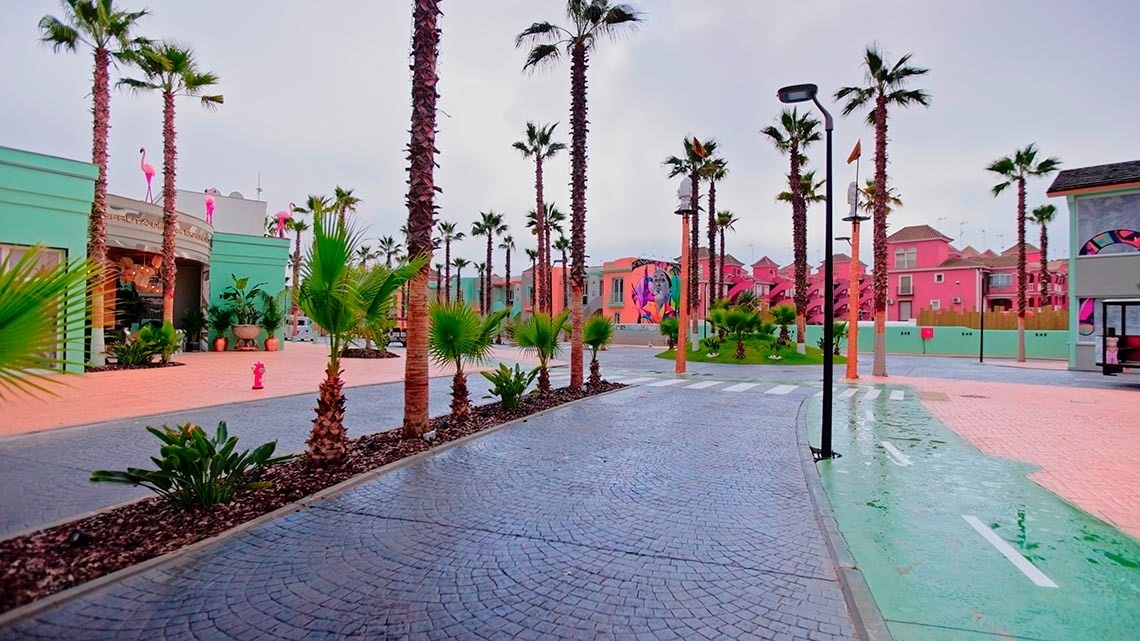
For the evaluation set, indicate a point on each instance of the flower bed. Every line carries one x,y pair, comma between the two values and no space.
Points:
42,563
361,352
115,367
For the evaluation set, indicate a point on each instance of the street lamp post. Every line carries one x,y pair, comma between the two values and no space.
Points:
803,93
684,208
854,298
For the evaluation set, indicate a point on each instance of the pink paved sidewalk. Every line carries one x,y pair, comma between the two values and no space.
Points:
208,378
1086,441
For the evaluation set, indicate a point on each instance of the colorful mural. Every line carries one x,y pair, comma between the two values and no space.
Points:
655,289
1129,237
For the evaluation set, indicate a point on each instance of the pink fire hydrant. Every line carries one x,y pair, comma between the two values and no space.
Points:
258,373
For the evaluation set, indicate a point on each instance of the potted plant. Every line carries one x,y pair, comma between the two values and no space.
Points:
194,321
272,317
243,303
221,319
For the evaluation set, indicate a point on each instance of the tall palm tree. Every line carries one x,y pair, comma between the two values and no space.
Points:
884,87
868,195
421,208
389,248
481,269
490,225
364,254
507,244
449,232
695,164
554,220
317,207
715,171
795,133
344,202
532,254
1044,215
589,22
1017,169
171,69
459,263
540,145
562,245
297,226
725,220
107,31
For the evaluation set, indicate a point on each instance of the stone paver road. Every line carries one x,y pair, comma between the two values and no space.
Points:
651,513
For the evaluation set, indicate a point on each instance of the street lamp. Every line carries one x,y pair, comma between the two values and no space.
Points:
684,208
804,93
854,298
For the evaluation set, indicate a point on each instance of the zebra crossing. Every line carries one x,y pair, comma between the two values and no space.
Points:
842,392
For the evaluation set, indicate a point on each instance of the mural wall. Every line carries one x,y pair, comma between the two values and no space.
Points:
656,289
1105,225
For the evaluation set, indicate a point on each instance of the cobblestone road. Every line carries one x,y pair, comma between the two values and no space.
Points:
652,513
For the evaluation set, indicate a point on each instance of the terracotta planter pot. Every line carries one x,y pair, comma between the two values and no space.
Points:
271,344
220,344
246,332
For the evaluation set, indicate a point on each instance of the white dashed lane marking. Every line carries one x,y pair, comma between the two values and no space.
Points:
702,385
873,394
848,393
667,382
781,389
740,387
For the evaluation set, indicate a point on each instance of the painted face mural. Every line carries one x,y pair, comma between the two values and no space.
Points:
656,290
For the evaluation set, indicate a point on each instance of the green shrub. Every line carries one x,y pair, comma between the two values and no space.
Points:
195,470
711,345
135,350
669,329
508,384
163,337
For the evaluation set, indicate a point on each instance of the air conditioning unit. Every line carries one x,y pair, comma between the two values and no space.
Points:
957,300
890,301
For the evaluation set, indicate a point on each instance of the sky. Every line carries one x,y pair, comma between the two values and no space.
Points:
318,95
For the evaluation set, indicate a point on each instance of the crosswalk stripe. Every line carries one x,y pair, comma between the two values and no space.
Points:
703,385
873,394
848,393
740,387
635,381
667,382
897,395
781,389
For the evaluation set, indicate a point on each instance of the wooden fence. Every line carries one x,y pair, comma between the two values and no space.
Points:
1046,319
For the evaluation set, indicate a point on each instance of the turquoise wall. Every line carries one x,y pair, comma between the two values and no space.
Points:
958,341
47,200
258,258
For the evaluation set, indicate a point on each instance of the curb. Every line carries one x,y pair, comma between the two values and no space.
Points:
59,598
865,614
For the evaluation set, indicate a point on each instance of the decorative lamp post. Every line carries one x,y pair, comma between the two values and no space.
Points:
684,196
853,299
804,93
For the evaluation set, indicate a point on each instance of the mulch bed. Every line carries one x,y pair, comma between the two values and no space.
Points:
47,561
114,367
360,352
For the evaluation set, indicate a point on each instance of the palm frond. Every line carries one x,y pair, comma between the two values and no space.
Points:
542,56
59,35
540,32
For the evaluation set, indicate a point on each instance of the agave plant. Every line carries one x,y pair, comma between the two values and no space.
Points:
538,335
458,336
597,333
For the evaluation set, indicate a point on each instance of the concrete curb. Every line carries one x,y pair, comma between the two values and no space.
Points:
865,614
36,607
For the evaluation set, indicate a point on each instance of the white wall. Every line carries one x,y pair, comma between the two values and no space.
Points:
231,215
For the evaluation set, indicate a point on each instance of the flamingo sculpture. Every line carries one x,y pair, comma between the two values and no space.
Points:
282,217
210,193
148,171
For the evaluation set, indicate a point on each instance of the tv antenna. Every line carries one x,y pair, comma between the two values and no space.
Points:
259,185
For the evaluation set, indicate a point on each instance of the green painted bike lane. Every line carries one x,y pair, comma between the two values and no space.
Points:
927,517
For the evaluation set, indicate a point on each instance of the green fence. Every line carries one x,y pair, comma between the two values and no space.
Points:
960,341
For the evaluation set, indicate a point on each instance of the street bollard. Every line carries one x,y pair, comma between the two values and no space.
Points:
258,372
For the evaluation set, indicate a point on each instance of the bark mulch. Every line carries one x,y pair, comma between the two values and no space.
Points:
360,352
44,562
114,367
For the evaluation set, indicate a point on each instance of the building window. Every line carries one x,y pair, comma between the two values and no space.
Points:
940,278
617,290
530,294
906,258
1001,280
935,304
906,286
617,317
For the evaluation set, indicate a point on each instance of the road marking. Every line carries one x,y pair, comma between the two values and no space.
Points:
781,389
873,393
848,393
635,381
1028,569
897,395
703,385
667,382
901,459
740,387
869,415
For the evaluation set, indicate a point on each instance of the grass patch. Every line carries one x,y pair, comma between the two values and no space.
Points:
756,352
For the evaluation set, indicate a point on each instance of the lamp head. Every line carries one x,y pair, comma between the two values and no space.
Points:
797,93
684,197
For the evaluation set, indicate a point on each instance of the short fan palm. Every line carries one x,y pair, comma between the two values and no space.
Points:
458,336
597,333
538,335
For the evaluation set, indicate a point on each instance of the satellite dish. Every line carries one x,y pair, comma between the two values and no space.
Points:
236,194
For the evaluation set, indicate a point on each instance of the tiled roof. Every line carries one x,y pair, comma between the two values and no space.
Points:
1120,173
1012,251
970,252
765,262
916,232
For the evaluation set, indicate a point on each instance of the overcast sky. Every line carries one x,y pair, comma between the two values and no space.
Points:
317,94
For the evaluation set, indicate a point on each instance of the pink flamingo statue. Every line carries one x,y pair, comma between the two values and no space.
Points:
148,171
283,216
210,193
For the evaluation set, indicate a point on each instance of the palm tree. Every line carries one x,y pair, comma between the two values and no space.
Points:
389,248
784,315
742,321
538,335
589,23
364,254
598,332
507,244
868,195
171,69
554,219
106,30
532,254
459,335
540,145
344,201
725,220
449,232
715,171
694,164
340,300
562,245
481,269
1016,169
884,87
490,225
421,208
1044,215
438,281
796,132
297,226
459,263
809,190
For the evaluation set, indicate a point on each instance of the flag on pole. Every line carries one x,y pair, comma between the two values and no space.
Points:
856,152
698,148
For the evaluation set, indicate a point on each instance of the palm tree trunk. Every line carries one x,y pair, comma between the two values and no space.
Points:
327,442
296,281
460,400
487,290
438,283
578,126
713,275
507,288
565,283
1045,279
1021,270
421,209
97,228
799,249
723,287
543,377
459,284
169,216
447,269
694,274
879,367
482,290
595,370
539,277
